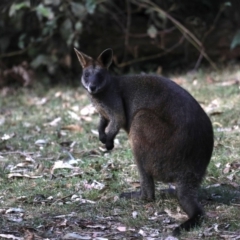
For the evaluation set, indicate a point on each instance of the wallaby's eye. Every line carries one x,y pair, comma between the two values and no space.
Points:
86,74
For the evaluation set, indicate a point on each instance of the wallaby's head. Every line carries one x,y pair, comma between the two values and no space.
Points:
95,76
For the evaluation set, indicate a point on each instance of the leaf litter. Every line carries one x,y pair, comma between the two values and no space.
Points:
61,183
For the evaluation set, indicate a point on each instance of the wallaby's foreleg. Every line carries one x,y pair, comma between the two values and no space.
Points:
187,197
111,132
101,129
107,132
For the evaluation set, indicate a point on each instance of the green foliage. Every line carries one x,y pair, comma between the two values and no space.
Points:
44,33
236,40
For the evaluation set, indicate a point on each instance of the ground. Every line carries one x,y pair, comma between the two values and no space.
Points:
58,182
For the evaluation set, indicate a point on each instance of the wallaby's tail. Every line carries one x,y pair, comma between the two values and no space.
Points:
187,197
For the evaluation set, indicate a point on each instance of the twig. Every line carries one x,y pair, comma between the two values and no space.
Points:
17,152
11,54
152,56
62,198
212,27
188,35
127,30
115,18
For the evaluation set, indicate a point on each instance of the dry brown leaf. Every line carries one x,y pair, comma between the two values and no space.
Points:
86,118
135,184
179,80
210,80
94,185
229,83
178,215
72,127
28,235
227,168
235,165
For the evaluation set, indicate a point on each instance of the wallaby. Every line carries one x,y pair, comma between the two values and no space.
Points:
170,135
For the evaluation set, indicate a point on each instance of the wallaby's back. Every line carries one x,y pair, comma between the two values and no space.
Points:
170,135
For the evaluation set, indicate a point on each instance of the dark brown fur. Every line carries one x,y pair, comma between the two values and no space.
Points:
170,135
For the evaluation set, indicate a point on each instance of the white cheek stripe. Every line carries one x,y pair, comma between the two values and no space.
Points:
85,85
89,90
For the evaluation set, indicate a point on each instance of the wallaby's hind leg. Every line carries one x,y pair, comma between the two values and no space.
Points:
142,142
147,191
187,197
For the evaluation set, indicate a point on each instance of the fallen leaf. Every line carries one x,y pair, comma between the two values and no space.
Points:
229,83
10,236
134,214
54,122
74,116
15,210
142,233
121,229
178,215
63,164
88,110
6,137
75,128
41,142
75,236
19,175
102,227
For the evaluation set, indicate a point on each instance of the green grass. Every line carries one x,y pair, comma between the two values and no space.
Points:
26,116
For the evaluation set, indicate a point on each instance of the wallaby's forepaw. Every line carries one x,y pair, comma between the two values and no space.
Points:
109,145
103,138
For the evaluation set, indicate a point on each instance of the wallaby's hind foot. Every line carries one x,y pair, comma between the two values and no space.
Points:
137,195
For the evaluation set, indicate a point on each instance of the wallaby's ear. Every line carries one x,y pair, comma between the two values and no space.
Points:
83,58
106,57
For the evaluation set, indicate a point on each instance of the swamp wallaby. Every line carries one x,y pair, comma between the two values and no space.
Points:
170,135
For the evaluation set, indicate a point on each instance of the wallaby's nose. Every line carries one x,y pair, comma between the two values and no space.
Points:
92,88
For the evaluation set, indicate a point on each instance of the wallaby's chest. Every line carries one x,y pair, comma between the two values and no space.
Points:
101,108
